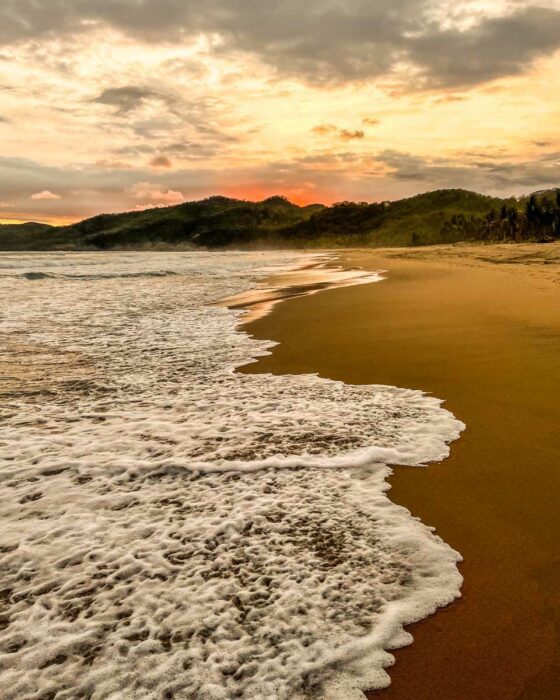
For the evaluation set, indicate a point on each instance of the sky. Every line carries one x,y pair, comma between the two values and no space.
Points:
116,105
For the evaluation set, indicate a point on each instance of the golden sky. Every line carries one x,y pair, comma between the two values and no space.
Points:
109,106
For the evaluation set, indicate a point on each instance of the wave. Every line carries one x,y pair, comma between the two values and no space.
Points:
124,275
36,275
175,528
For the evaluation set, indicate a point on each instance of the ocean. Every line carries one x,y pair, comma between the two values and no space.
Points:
174,529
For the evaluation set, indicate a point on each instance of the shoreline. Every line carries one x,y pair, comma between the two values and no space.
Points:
455,326
303,279
284,570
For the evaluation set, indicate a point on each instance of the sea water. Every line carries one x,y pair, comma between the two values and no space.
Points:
174,529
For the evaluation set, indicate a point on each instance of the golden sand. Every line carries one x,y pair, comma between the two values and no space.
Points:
478,326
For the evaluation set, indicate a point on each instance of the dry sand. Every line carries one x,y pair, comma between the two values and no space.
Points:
478,326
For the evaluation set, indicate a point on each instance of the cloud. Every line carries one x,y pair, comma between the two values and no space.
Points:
130,97
192,150
6,205
164,122
321,41
45,195
488,175
495,47
324,129
370,121
529,175
183,150
161,162
349,134
337,132
156,194
111,164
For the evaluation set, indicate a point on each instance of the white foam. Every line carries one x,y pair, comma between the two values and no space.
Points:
315,274
174,529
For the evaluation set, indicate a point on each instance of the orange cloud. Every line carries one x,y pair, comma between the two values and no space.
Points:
348,135
344,134
323,129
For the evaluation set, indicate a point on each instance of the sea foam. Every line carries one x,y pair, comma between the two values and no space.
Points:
172,528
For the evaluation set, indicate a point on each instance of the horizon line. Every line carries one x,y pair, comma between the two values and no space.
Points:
57,222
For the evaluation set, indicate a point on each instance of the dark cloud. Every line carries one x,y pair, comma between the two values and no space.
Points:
153,127
180,148
173,117
405,166
488,175
321,41
161,162
130,97
192,150
141,149
530,175
496,47
184,150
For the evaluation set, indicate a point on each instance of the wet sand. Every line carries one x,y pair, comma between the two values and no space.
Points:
478,326
316,273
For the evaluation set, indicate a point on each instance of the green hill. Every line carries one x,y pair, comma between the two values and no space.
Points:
213,222
442,216
422,219
28,236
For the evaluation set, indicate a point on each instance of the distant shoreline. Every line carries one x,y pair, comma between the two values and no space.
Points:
438,217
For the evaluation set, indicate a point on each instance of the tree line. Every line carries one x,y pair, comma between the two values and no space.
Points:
538,219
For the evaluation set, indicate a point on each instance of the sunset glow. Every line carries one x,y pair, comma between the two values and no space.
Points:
104,110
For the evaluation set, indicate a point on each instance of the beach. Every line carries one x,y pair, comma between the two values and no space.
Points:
477,326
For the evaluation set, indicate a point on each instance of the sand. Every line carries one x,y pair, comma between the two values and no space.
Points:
478,326
314,273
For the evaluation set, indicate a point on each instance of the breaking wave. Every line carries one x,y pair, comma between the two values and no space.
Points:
172,528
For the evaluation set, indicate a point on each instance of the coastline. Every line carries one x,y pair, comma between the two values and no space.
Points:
316,272
494,499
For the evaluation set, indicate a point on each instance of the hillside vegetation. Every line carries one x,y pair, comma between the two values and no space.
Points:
30,236
443,216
